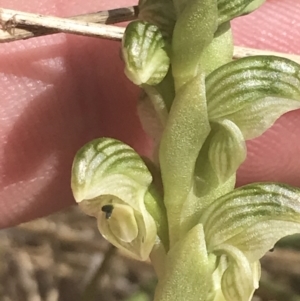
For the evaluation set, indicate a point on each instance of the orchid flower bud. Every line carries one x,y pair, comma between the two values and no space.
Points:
145,53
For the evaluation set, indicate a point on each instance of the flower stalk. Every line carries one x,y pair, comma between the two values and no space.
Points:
204,237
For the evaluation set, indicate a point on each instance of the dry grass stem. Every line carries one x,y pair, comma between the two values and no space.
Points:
18,25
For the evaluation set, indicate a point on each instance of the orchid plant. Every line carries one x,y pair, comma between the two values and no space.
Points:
203,236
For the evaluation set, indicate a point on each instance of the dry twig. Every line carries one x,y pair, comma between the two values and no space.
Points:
18,25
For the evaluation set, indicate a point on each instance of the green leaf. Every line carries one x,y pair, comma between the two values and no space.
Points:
227,150
145,53
253,218
183,137
234,8
188,270
110,181
160,13
253,92
194,30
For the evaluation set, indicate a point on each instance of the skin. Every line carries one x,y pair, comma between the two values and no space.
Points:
59,92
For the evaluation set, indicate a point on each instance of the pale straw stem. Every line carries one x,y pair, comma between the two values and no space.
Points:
18,25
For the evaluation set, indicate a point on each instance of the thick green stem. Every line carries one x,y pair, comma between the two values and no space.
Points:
184,135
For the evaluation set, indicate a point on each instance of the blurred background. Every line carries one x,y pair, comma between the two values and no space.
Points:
64,258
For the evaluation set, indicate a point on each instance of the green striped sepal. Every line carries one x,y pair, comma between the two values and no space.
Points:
110,181
243,225
253,92
229,10
145,53
235,279
214,174
227,150
253,218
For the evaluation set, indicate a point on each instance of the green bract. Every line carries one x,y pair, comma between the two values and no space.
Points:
204,237
191,251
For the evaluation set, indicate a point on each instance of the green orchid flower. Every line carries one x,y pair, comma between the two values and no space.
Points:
204,237
222,252
244,98
112,183
203,143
